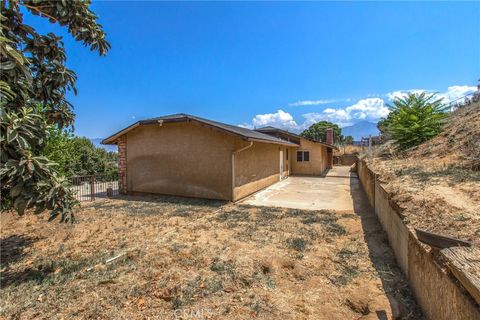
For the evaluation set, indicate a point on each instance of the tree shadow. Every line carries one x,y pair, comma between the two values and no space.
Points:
12,250
13,277
395,285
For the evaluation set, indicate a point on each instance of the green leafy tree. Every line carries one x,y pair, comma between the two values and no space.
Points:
415,119
34,81
318,132
348,140
58,148
77,156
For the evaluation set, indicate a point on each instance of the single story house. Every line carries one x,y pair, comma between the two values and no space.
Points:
185,155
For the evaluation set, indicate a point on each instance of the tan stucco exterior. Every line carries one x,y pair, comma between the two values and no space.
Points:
196,160
183,159
258,167
318,159
189,159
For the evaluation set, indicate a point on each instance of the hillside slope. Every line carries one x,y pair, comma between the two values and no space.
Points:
459,143
437,184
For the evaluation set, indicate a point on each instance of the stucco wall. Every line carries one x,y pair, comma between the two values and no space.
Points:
367,178
318,159
437,292
183,159
257,167
396,230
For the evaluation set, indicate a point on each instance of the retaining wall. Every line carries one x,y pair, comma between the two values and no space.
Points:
438,292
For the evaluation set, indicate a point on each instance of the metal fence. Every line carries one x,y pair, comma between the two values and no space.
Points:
91,187
466,100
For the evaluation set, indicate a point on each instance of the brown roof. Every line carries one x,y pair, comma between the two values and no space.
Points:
244,133
270,129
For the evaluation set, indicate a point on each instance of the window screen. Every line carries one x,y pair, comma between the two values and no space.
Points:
299,156
306,155
303,156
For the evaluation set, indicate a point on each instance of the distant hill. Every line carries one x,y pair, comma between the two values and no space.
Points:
361,129
110,148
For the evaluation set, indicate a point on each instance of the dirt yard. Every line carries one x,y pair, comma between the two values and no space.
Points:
194,259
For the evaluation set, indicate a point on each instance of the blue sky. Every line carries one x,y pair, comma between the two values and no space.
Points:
258,63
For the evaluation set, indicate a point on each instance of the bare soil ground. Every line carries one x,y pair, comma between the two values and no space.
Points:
437,184
195,259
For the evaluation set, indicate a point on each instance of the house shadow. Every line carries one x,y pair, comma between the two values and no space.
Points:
12,250
168,199
394,283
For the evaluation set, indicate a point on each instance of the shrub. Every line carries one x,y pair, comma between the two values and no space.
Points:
415,119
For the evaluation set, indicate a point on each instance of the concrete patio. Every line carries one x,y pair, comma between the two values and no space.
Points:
333,191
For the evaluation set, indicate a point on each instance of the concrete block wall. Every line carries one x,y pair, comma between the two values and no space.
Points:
438,293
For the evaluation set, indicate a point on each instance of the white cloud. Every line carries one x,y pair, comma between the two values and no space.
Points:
279,119
310,102
453,93
370,109
403,93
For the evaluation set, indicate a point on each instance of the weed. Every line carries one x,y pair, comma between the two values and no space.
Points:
462,217
332,226
177,247
267,215
258,305
183,212
223,267
298,244
311,219
309,233
197,287
233,216
345,254
347,275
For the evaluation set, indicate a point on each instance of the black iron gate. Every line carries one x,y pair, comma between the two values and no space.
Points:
91,187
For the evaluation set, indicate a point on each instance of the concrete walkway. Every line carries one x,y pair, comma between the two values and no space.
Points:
334,191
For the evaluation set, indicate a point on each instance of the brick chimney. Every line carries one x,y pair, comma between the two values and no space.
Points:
330,136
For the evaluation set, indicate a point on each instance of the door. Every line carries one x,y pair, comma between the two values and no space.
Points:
281,164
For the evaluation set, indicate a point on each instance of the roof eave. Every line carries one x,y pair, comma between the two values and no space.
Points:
283,143
113,138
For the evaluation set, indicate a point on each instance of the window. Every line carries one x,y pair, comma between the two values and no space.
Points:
303,156
287,154
306,155
299,156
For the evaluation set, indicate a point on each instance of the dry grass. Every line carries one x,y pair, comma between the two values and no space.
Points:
194,259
